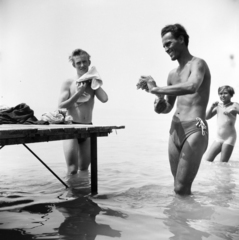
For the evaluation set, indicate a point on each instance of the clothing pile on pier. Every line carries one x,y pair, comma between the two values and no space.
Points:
23,114
20,114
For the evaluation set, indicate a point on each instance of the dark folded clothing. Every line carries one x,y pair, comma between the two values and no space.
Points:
20,114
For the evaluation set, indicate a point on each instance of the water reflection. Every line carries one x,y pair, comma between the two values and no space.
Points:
224,221
206,214
80,213
80,219
69,215
183,213
222,178
53,212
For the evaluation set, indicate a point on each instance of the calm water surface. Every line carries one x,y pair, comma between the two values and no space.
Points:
135,200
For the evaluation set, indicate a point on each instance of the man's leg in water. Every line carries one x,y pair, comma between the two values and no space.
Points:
84,155
189,162
71,152
173,154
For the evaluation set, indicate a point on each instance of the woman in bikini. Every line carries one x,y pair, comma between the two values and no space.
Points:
226,118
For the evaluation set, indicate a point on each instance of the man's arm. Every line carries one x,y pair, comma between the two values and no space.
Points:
162,105
190,86
65,100
212,111
101,95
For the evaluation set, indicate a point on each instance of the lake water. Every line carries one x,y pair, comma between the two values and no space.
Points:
135,200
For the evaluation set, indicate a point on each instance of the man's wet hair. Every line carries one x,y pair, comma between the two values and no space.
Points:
227,88
78,52
177,30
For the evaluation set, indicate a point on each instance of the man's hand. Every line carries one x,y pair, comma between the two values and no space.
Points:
80,87
151,83
146,83
85,94
142,84
160,105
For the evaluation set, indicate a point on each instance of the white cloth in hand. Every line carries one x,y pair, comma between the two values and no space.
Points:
92,75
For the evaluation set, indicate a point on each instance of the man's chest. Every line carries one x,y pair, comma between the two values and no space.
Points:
180,76
88,89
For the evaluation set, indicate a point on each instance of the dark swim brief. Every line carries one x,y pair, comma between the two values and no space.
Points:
181,130
81,140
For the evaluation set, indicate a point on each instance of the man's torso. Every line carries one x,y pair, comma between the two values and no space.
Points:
194,105
81,111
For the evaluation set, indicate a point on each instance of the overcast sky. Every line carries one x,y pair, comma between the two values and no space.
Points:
123,39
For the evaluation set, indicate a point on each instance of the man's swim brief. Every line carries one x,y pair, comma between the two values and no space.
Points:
81,140
181,130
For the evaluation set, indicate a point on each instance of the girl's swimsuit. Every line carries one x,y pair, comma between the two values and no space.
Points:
227,137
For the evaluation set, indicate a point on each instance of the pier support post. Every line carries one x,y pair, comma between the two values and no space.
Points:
94,177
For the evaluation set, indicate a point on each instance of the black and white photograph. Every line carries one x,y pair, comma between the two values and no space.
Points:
118,119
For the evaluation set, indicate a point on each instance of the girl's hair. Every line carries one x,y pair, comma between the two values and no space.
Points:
228,88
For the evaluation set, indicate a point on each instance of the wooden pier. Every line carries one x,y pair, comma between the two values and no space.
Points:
12,134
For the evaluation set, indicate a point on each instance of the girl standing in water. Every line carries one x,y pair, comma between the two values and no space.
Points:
226,118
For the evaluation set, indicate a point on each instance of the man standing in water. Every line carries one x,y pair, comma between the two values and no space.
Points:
190,84
78,99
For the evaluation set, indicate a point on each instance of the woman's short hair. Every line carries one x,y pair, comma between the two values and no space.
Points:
228,88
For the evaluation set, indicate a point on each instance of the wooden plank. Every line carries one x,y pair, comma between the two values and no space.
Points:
11,132
44,138
18,134
55,126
